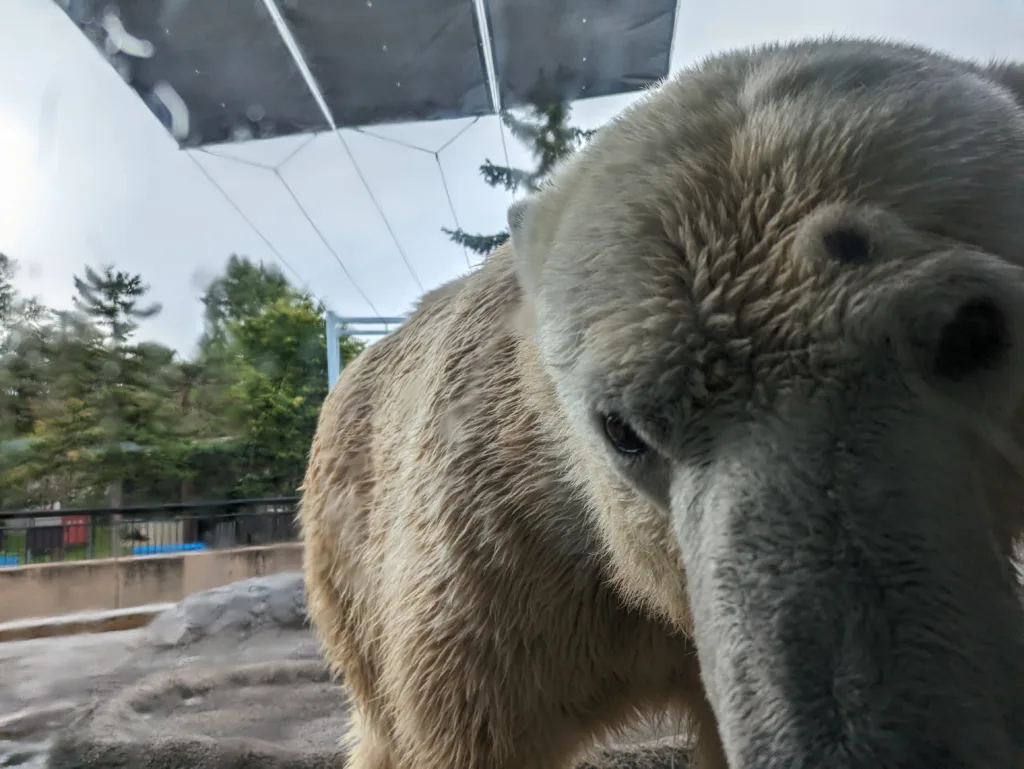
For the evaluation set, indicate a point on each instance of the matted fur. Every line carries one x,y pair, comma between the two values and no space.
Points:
499,591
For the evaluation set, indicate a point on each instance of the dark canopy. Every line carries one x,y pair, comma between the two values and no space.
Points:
222,70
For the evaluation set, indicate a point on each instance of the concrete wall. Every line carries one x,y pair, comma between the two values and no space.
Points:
50,589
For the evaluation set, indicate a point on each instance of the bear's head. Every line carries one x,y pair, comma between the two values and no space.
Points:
781,303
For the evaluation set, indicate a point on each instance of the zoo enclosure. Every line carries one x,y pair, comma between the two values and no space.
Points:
45,536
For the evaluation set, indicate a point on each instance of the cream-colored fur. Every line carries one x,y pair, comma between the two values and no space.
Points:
495,590
452,572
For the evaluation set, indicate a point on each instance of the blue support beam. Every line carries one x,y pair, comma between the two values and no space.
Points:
333,324
333,348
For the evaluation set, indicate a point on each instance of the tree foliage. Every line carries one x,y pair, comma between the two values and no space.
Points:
90,414
545,129
7,294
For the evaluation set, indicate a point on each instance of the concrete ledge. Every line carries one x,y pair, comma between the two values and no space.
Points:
84,622
71,587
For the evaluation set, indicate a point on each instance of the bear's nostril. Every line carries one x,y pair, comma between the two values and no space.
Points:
847,245
976,338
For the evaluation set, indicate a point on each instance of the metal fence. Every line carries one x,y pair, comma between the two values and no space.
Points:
41,536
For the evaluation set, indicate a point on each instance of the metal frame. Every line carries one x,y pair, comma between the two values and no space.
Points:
314,86
26,535
333,324
332,321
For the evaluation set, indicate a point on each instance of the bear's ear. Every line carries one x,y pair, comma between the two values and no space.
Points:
529,254
517,218
1010,75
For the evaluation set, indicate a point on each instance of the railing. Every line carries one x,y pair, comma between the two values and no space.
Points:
41,536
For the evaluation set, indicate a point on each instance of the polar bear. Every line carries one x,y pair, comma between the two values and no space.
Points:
726,430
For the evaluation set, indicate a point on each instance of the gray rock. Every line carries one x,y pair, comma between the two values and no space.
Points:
272,715
30,722
239,609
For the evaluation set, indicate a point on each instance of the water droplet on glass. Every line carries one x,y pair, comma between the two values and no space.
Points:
123,68
222,104
384,48
241,133
197,71
584,19
398,83
255,112
200,279
584,58
369,3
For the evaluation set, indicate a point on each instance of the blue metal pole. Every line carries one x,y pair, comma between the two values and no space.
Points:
333,349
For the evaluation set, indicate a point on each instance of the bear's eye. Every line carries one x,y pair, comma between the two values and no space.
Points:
622,437
977,337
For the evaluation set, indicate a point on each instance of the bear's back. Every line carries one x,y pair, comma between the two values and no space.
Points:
441,437
404,396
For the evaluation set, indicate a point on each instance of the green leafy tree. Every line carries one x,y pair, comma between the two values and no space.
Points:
24,327
131,400
242,291
263,360
281,385
7,292
25,330
546,131
88,407
57,462
107,418
245,288
111,298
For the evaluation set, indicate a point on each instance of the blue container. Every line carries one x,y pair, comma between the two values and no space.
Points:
162,549
9,560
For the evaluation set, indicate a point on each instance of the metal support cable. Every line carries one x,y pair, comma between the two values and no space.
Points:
252,225
307,75
373,198
276,170
324,240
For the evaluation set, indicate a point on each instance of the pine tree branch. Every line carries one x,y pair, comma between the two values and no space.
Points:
522,129
479,244
545,130
511,179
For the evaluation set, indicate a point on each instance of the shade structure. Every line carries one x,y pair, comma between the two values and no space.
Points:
216,71
563,50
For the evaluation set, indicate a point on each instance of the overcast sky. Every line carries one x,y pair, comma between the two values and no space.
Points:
94,178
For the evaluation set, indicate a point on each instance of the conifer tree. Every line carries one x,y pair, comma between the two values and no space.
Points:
546,131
